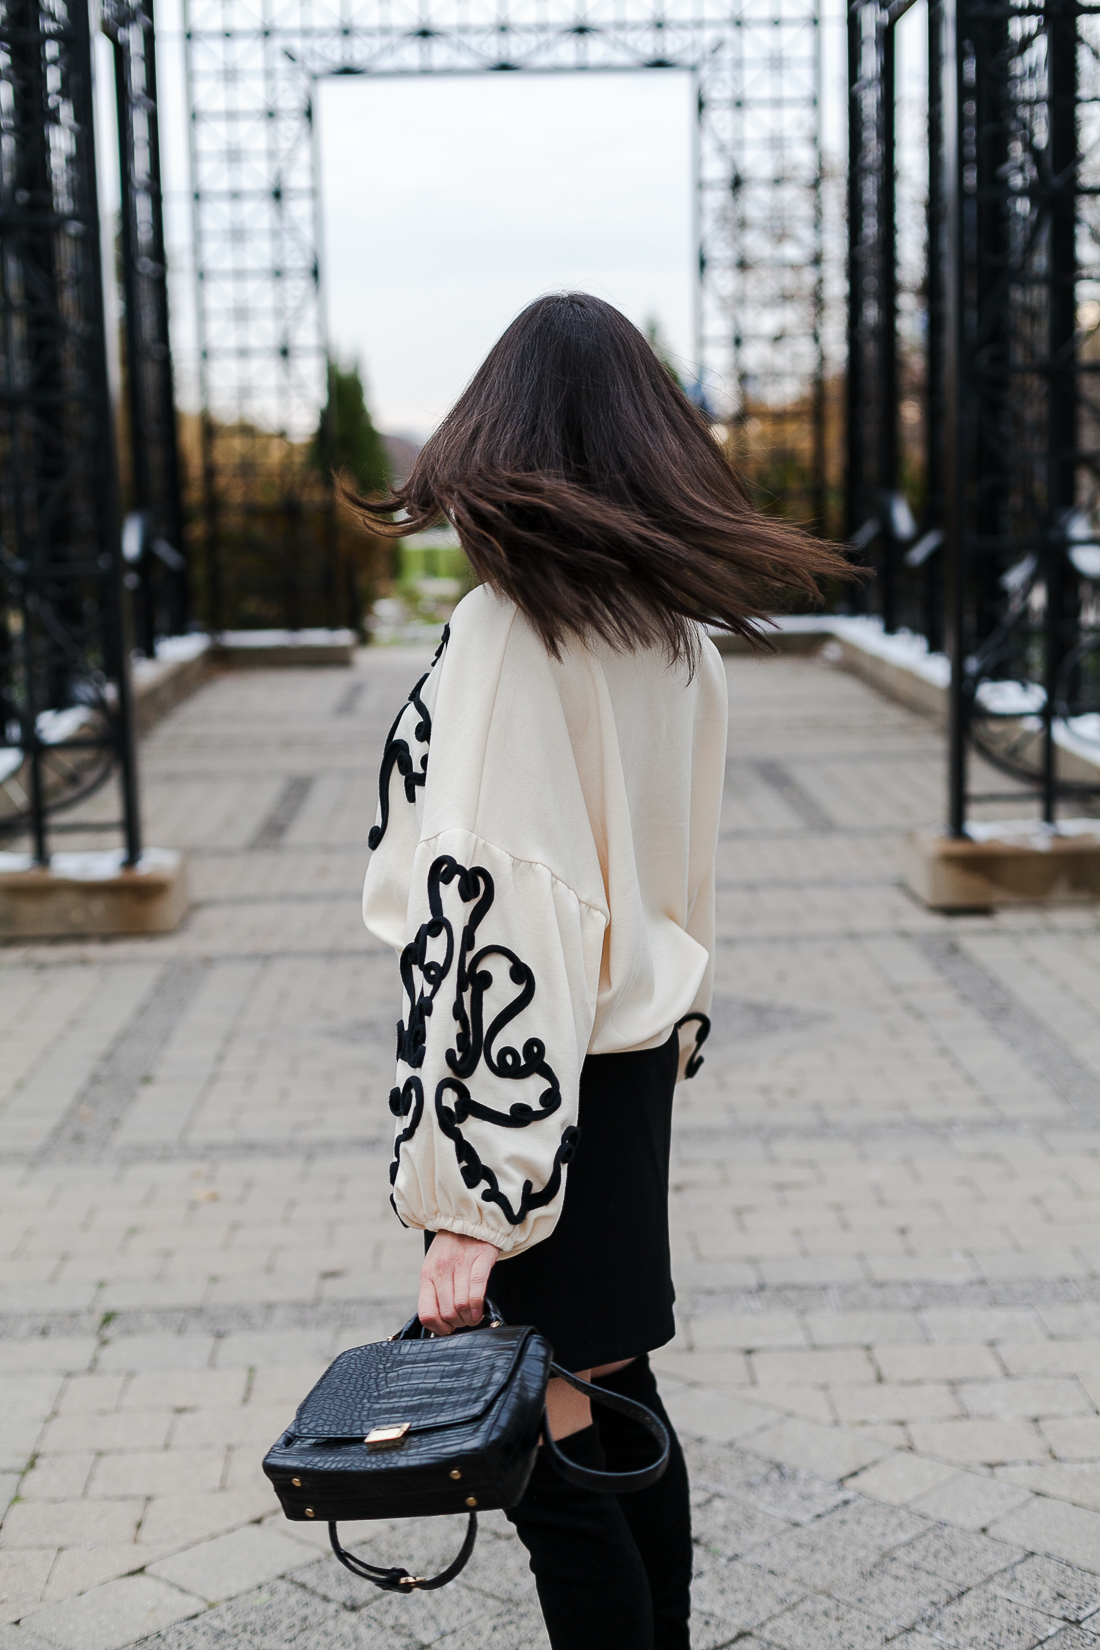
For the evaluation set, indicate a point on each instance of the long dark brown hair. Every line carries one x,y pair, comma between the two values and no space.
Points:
584,485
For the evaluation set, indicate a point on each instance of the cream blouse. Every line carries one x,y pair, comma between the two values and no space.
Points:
543,863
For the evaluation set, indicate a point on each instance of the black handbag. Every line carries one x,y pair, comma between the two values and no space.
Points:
421,1424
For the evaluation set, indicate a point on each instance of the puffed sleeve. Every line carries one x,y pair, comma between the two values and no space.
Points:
480,880
500,976
708,761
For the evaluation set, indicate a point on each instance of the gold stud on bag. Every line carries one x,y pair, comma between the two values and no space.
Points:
473,1411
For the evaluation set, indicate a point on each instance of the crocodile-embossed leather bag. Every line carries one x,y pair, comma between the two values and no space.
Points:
418,1425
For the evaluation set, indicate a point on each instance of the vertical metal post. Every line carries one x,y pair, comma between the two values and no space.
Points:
171,502
698,251
932,602
117,652
886,355
1059,575
127,748
137,413
950,251
153,437
818,484
854,385
36,455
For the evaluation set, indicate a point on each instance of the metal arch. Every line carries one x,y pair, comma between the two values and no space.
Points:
251,65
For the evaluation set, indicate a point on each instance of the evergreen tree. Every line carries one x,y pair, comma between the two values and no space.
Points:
659,344
346,438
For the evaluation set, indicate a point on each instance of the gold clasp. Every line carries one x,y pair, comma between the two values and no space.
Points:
391,1437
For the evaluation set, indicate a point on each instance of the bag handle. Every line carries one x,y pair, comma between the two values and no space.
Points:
491,1318
397,1580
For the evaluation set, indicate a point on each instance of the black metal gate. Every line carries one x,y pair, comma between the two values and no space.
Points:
1013,454
64,675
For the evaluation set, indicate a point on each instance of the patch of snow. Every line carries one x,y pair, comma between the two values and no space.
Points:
902,647
804,624
96,865
1086,728
1033,832
288,638
55,726
1011,698
172,649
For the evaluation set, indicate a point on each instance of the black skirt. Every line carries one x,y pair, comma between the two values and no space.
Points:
600,1286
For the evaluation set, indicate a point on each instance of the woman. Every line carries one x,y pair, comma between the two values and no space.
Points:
543,862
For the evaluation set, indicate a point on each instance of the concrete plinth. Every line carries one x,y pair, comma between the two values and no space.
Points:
264,649
1015,864
85,894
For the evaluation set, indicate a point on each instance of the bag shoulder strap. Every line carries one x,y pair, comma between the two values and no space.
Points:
610,1483
397,1580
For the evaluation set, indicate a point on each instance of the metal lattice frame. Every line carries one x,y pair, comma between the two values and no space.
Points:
881,525
63,677
762,287
251,65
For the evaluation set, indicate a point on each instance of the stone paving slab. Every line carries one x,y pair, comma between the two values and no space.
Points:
885,1200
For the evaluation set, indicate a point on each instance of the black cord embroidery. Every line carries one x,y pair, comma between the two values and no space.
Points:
409,1097
423,973
474,1171
398,755
475,886
695,1059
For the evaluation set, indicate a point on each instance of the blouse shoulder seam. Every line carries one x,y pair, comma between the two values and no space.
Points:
519,859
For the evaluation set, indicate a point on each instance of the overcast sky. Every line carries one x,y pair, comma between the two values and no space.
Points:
450,202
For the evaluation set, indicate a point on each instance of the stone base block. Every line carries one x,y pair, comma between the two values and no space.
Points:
1023,866
163,683
86,894
791,636
264,649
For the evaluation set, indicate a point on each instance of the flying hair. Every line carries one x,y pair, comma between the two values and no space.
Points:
584,485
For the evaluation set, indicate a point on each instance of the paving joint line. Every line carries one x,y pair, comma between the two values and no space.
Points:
288,805
109,1091
348,703
779,778
1042,1049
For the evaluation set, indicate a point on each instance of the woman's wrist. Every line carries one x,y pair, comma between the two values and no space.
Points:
453,1281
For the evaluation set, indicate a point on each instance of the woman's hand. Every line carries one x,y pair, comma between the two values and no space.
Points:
453,1281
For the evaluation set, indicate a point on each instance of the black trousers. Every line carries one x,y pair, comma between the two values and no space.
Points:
612,1572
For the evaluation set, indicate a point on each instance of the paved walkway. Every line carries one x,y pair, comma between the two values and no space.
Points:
887,1182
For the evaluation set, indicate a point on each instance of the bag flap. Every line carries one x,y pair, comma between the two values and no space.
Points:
424,1383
